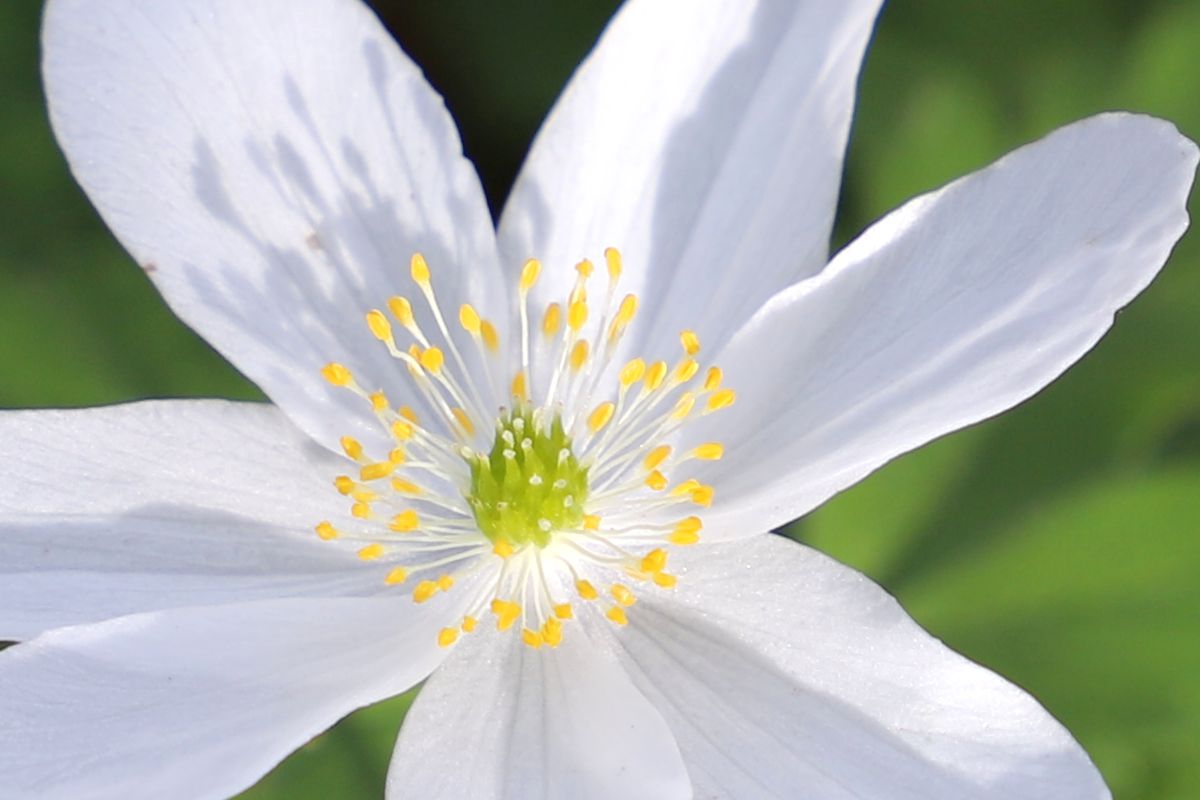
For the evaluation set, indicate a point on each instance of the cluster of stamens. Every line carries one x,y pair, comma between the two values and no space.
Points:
523,498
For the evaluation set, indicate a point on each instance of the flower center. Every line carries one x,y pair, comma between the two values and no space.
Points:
530,484
534,484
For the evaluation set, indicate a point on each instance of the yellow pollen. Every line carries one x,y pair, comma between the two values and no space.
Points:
656,481
683,406
703,496
721,399
687,487
612,258
352,447
468,317
379,325
326,531
579,355
552,632
564,611
419,270
402,310
373,472
686,370
402,429
591,522
371,552
712,379
622,594
655,560
506,613
709,451
423,591
469,623
632,372
361,510
365,495
531,638
432,360
586,590
491,339
408,414
404,486
690,342
600,416
405,521
379,401
577,314
447,637
655,374
584,268
529,274
687,531
656,456
502,548
344,484
444,582
397,576
664,580
519,389
624,315
552,320
336,374
463,420
616,615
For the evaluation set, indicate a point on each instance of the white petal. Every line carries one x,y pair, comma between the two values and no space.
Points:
705,141
953,308
197,702
501,720
784,674
272,166
110,511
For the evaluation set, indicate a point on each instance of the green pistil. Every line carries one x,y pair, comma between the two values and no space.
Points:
530,484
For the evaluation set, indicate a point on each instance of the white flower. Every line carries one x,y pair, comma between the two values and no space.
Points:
274,166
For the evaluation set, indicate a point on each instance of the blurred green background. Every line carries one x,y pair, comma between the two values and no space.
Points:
1056,544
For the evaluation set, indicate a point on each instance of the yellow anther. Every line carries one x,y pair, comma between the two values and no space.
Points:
577,314
686,370
506,613
591,522
405,522
379,325
502,548
712,379
624,315
585,269
361,509
655,374
491,339
579,355
463,420
703,496
683,406
622,594
402,310
529,274
352,447
419,270
552,632
402,429
326,531
601,416
379,401
444,582
531,638
709,451
687,531
364,495
612,258
404,486
469,623
397,456
564,611
656,481
721,399
665,580
552,320
371,552
469,319
655,560
690,342
423,591
519,388
632,372
656,456
432,360
586,590
344,484
447,637
408,414
687,487
396,577
373,472
616,615
336,374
